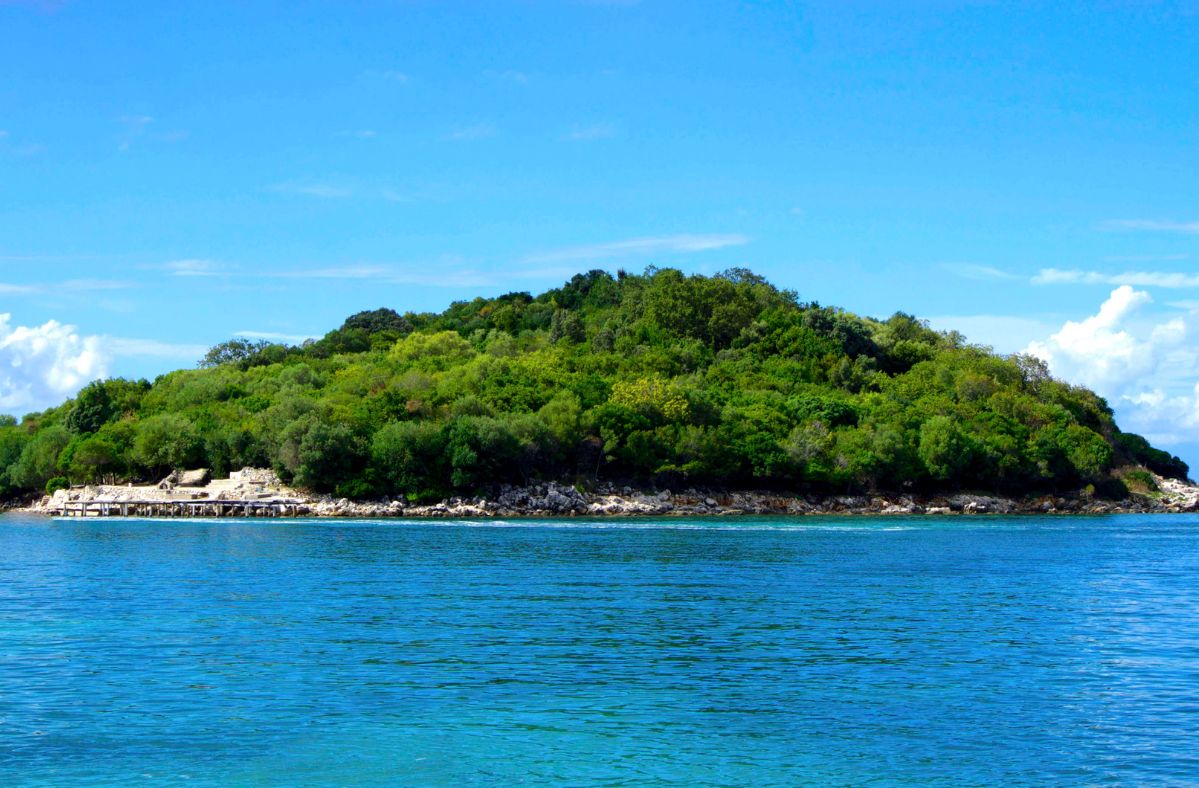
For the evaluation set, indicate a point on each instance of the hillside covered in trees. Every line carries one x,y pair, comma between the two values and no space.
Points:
652,379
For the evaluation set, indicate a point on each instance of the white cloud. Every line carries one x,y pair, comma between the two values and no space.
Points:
1155,225
43,365
397,76
1170,279
665,244
1146,368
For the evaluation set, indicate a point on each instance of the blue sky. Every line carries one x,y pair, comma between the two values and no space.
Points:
172,174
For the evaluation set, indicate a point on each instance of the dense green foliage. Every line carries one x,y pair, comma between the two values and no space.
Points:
657,378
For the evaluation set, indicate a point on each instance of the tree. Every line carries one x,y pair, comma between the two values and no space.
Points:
93,408
39,458
566,326
943,448
91,458
408,457
166,442
330,456
377,321
12,443
233,351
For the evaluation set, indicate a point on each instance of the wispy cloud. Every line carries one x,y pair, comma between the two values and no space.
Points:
598,131
665,244
1146,258
92,285
67,286
1167,279
192,268
1154,225
324,191
440,274
509,75
133,127
397,76
12,148
338,272
1004,333
274,336
153,348
977,272
480,131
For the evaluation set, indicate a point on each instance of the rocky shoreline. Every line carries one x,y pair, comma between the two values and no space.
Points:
253,491
557,500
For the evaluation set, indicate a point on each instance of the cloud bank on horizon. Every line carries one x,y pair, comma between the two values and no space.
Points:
43,365
1148,370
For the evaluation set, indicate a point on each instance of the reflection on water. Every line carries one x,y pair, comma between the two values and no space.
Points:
755,651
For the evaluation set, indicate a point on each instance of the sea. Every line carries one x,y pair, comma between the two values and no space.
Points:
1053,650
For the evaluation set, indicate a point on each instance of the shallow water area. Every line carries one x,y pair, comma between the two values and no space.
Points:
765,651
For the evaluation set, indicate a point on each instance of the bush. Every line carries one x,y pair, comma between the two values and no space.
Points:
1111,489
56,484
1140,481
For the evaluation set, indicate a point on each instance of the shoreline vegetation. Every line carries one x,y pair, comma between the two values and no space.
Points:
598,389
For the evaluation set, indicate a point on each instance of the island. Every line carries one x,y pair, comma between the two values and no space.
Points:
651,393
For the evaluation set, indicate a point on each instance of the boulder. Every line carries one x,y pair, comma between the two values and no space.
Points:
196,478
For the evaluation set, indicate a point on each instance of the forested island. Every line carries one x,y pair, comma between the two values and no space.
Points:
652,380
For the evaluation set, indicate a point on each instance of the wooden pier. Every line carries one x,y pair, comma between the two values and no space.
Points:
182,509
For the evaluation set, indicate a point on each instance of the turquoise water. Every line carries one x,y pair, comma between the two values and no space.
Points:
756,651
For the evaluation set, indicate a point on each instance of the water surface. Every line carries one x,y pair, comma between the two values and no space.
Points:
765,651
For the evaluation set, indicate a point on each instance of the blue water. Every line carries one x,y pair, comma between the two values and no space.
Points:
766,651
